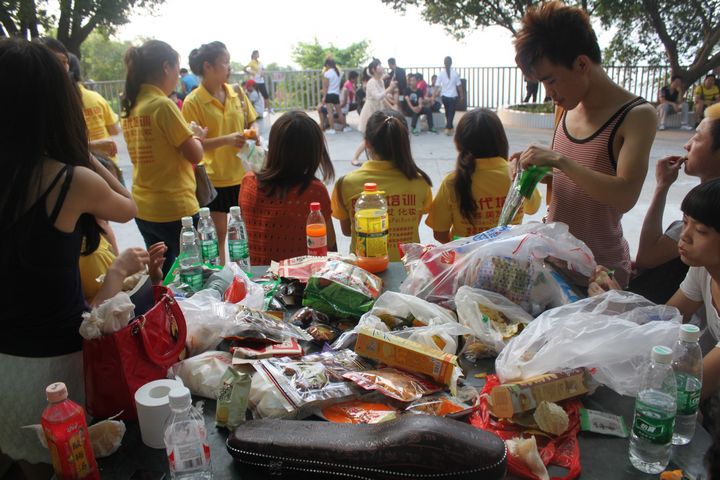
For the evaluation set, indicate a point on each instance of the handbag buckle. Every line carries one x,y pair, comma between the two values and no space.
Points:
140,323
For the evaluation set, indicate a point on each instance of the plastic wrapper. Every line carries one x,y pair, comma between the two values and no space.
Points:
551,418
109,317
611,335
306,316
342,290
232,399
505,260
439,405
492,318
252,155
207,318
105,436
394,383
202,374
357,411
323,333
525,451
289,348
267,400
254,294
339,362
302,268
253,324
521,189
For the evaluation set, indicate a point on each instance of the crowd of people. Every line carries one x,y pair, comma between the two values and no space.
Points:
60,192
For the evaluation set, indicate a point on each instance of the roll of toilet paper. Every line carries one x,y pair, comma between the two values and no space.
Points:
153,409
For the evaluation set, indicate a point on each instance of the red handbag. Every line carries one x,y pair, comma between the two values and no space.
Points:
117,365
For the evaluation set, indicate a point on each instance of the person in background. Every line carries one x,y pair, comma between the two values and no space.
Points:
175,97
422,84
162,147
398,74
450,90
706,94
347,97
256,70
671,101
216,106
393,169
276,201
188,83
52,191
471,198
331,95
531,89
255,98
415,105
602,143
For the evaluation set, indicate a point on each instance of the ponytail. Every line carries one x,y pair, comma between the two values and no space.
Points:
464,170
144,64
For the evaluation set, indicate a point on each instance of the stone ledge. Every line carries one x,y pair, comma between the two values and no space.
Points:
517,118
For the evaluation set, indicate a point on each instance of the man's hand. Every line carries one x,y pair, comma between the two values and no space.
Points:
540,156
666,170
602,281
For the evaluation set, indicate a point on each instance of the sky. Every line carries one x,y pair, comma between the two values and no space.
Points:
274,26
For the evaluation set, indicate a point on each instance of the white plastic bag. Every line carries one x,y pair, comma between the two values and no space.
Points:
207,317
443,336
203,373
505,260
611,335
252,156
255,296
492,318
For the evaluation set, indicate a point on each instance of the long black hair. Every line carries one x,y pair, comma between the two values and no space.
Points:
42,118
479,134
208,52
144,64
387,133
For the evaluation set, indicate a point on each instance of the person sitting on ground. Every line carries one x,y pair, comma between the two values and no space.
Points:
188,83
392,168
276,201
421,84
601,146
258,102
434,94
706,94
471,198
672,101
661,269
414,105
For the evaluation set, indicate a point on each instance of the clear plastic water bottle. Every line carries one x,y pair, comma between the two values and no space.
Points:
316,232
687,364
186,441
190,260
655,407
187,226
238,240
208,238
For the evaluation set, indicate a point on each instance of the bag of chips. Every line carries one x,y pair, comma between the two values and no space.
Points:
394,383
342,290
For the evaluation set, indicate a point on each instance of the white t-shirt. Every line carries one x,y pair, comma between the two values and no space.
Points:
696,287
448,86
333,81
259,78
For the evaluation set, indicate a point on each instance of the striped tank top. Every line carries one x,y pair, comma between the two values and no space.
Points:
596,224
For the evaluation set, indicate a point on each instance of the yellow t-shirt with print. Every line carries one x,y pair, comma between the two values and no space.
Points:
490,184
94,265
407,200
163,180
708,95
98,115
223,166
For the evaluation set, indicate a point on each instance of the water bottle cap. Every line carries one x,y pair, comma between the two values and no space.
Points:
689,333
205,212
235,210
180,398
315,207
662,355
187,221
56,392
370,187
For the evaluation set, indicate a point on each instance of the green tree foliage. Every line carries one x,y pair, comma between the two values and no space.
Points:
685,35
311,56
102,58
75,20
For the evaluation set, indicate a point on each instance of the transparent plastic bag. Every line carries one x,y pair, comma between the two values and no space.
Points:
207,317
342,290
611,335
492,318
203,373
252,156
505,260
257,325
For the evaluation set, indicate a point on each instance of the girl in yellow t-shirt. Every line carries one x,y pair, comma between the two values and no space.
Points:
225,113
161,145
391,166
471,198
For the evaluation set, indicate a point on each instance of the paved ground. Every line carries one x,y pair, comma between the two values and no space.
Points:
436,155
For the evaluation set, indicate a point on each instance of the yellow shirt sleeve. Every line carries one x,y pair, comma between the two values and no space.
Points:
172,124
94,265
532,204
440,211
698,91
339,210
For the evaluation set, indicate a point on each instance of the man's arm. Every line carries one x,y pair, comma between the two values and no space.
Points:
621,190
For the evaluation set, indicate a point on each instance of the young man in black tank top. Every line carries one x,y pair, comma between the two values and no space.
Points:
557,46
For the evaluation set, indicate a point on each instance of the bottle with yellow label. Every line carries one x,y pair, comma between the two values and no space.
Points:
371,230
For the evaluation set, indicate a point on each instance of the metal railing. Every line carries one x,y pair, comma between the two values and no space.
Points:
488,87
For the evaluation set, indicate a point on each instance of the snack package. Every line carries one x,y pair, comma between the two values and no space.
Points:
207,317
440,405
603,423
397,311
202,374
289,348
443,336
522,188
306,316
505,260
339,362
551,418
342,290
492,318
254,324
267,400
251,154
357,411
302,268
394,383
323,333
232,399
525,450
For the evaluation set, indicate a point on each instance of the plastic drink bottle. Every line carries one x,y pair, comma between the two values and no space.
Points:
687,364
190,261
208,238
187,226
238,240
316,232
63,422
371,230
655,407
186,441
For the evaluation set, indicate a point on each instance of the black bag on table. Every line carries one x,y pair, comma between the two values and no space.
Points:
411,447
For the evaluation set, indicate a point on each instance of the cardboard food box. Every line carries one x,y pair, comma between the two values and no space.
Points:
408,355
515,397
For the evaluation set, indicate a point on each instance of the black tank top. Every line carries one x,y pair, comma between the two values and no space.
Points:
41,298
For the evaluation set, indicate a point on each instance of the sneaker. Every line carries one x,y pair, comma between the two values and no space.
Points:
434,130
347,129
330,131
415,131
661,127
686,127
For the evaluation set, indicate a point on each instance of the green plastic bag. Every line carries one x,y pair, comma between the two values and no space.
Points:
342,290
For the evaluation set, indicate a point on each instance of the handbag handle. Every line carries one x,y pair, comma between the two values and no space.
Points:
172,355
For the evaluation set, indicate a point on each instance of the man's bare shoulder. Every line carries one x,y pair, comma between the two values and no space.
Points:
641,117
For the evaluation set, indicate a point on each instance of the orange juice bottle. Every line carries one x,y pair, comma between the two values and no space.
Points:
316,232
371,230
